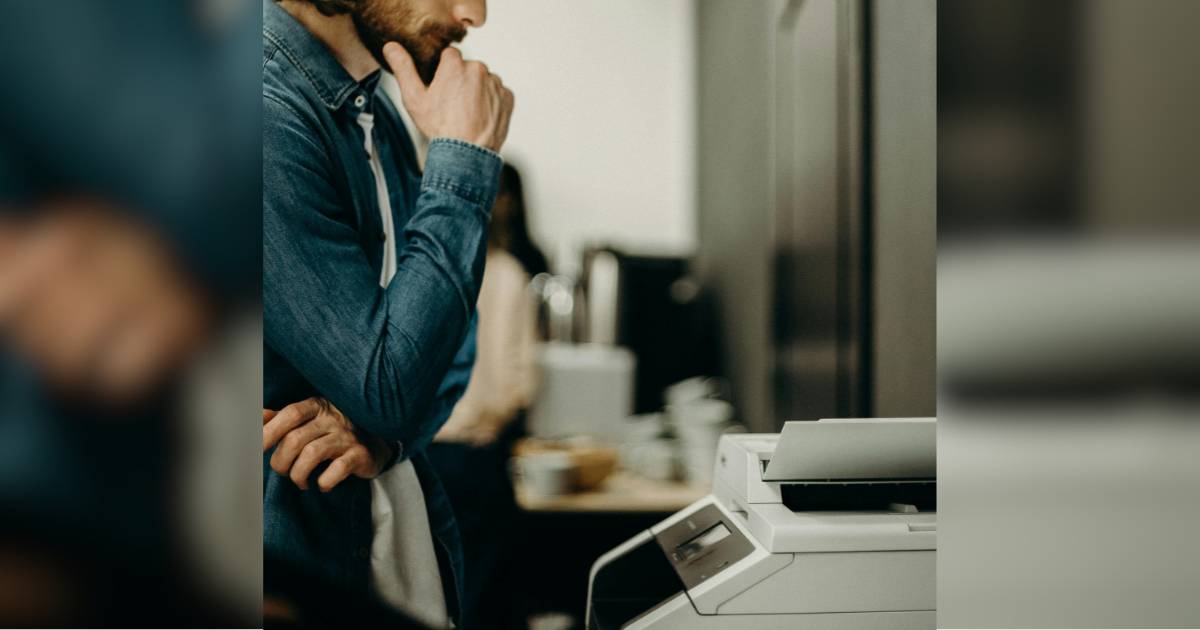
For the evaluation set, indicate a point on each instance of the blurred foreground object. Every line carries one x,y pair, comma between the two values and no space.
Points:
97,303
1068,314
130,246
1069,380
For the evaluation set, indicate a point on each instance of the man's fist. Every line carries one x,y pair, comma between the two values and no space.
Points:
464,101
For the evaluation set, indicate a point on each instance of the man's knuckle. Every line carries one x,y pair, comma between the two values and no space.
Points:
285,416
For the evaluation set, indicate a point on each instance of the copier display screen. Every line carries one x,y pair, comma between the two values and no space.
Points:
702,542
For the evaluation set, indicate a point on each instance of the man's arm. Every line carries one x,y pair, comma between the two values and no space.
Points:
313,431
378,354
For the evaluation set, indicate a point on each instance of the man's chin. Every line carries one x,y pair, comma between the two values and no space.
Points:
427,64
426,69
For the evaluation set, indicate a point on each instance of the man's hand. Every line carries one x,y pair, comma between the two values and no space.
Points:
314,431
96,302
464,101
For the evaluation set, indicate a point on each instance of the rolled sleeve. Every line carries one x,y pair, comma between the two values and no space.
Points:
463,169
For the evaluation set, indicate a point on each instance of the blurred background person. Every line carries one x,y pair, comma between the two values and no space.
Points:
510,226
471,451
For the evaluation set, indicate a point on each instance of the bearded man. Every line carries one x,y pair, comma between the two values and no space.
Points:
371,270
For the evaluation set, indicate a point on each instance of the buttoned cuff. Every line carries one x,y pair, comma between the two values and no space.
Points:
463,169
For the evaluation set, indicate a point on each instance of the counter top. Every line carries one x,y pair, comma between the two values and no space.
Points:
623,491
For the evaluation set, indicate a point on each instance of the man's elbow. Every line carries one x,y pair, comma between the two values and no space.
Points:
392,425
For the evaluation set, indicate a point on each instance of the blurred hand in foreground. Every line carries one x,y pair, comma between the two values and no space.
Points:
96,302
313,431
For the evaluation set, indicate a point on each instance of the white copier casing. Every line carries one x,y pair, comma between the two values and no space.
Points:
827,525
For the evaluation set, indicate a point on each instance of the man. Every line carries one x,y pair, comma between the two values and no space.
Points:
371,270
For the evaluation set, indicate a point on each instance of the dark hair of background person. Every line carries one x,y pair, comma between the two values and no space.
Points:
509,229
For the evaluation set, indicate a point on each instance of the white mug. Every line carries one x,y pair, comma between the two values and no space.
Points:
547,474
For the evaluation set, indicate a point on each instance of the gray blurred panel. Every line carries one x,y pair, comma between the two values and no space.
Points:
734,200
806,168
817,206
904,236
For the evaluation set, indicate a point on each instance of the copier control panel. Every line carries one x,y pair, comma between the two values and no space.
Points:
703,543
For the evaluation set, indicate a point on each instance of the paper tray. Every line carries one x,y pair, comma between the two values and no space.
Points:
855,449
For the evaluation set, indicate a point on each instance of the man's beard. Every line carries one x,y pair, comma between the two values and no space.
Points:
381,21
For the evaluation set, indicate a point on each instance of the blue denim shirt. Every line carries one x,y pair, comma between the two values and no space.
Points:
394,360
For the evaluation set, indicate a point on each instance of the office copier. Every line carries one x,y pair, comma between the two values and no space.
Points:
828,525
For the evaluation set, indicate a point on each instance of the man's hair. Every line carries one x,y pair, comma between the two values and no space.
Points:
333,7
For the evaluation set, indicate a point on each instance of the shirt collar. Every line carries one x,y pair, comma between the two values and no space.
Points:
314,60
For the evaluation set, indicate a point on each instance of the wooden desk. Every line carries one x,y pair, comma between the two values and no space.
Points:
623,491
560,537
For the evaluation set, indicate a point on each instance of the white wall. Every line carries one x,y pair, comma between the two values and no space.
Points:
604,126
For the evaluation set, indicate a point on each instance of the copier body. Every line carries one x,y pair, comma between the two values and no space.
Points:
799,552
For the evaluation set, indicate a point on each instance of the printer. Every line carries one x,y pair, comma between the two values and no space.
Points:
828,525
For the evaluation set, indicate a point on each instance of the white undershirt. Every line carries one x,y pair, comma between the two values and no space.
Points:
404,568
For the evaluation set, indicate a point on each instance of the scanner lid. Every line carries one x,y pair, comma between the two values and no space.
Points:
855,449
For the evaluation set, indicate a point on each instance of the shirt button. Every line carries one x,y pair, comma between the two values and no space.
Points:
383,236
360,100
363,552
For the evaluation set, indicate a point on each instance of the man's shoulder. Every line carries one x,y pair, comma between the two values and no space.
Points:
282,79
286,85
280,69
294,127
289,100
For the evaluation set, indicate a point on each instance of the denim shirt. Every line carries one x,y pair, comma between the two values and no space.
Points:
394,360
